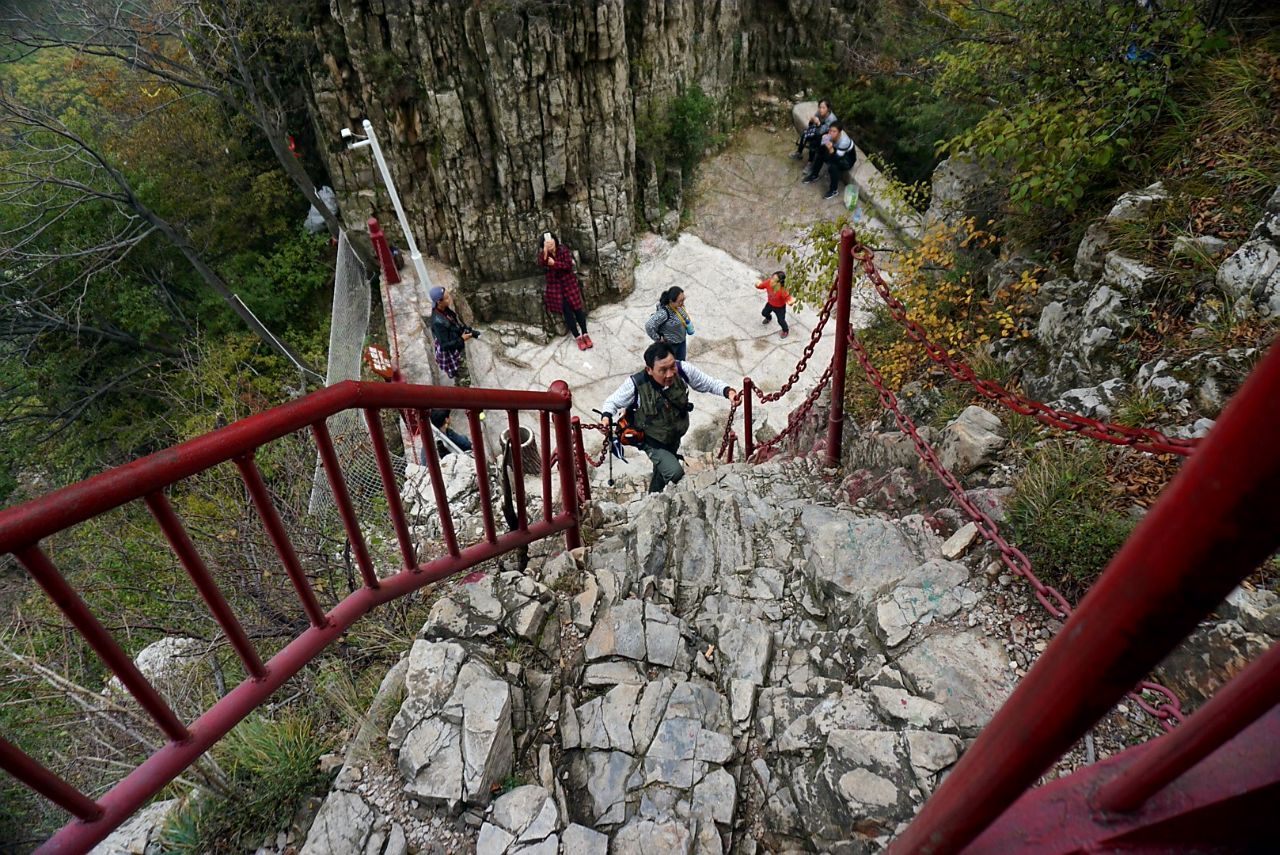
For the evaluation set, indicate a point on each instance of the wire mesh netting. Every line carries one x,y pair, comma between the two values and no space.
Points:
349,325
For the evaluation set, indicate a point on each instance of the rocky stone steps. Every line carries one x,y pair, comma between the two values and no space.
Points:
739,663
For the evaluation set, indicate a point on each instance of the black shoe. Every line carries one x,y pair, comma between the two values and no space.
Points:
830,193
765,321
809,179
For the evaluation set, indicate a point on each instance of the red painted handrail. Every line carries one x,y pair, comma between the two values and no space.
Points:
22,528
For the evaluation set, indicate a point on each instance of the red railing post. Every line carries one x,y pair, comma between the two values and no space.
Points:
279,536
169,523
342,501
580,457
385,259
1215,522
565,460
482,476
387,472
431,455
544,434
840,358
748,432
517,461
92,631
47,784
1238,704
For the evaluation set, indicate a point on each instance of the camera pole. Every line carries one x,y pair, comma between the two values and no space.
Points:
414,255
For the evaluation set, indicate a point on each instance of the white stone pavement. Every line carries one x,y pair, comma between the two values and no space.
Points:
729,342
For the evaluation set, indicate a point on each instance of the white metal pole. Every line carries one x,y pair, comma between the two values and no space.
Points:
414,255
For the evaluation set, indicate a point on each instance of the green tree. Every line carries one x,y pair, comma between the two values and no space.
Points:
1071,86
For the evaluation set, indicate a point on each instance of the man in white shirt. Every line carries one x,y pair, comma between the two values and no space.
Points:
656,402
837,153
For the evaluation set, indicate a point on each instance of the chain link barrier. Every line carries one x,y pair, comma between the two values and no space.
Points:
1142,439
1168,710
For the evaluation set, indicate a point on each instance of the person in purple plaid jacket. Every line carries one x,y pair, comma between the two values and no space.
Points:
563,295
451,336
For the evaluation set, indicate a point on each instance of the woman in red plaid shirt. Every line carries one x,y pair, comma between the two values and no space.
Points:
563,295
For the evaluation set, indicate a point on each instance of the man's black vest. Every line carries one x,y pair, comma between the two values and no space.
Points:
663,414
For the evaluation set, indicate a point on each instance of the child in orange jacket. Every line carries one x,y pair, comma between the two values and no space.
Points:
777,302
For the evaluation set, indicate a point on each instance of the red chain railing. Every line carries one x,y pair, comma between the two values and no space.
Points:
24,527
1141,438
1151,596
1169,710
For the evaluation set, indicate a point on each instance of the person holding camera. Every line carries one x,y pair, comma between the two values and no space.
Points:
451,336
563,293
656,402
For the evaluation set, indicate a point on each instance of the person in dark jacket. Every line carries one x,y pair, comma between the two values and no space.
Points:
563,294
658,400
441,420
451,336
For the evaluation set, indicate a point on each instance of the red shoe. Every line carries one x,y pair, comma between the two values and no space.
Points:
785,333
590,343
582,342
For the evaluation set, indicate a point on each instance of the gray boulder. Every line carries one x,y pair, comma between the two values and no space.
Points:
1137,204
1092,252
972,440
1251,277
452,735
524,819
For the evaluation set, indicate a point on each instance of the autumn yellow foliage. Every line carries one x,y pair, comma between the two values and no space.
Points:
945,292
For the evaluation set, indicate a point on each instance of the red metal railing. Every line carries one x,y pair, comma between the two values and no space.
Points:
22,528
1214,524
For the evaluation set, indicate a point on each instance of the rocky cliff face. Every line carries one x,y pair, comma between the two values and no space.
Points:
502,120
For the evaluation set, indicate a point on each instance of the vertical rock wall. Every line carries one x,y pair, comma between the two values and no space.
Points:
502,120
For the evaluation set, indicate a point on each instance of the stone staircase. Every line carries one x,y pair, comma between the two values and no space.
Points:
740,664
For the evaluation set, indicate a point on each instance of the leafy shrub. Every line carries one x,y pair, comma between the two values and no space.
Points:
675,136
1076,86
940,280
1058,517
271,765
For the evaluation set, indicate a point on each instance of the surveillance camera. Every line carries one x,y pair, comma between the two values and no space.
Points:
346,133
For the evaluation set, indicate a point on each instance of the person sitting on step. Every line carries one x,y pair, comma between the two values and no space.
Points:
656,401
442,422
811,137
837,153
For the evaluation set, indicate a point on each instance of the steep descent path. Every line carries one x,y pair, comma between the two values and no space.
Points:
740,663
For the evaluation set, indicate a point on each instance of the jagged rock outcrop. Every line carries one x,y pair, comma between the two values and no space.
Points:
736,663
1084,356
504,120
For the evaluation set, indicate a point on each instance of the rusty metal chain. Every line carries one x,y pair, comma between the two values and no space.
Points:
1167,711
794,420
1142,439
728,436
728,426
